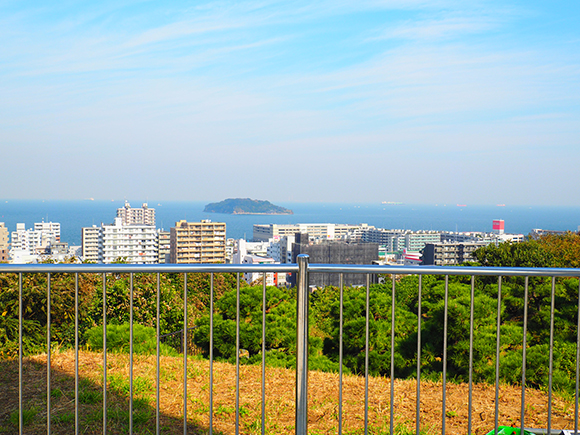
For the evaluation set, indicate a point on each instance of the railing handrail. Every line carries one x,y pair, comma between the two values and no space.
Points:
288,268
145,268
302,269
444,270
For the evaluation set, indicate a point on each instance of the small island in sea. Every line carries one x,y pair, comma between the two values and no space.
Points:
245,206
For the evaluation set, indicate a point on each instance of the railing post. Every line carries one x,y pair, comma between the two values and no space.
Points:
302,346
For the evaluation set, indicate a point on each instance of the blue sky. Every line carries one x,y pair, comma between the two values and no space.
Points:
354,101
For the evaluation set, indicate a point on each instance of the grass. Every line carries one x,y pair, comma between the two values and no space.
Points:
56,393
280,385
90,397
64,418
27,416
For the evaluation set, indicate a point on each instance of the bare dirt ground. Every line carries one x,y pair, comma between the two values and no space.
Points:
280,392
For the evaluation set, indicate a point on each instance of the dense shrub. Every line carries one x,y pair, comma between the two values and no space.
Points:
118,339
324,318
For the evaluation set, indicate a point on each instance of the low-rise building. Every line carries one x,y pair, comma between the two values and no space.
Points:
257,277
399,240
243,247
263,233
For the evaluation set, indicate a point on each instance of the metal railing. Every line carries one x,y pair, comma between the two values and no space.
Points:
303,269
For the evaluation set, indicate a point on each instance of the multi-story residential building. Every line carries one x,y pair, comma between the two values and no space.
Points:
198,242
399,240
164,246
281,250
3,242
135,216
449,253
243,247
481,237
254,277
136,243
52,228
230,249
416,240
35,240
90,238
262,233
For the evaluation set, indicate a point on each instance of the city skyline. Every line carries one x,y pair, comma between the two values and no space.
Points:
418,101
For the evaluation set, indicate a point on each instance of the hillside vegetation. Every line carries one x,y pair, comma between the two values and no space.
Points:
245,206
324,318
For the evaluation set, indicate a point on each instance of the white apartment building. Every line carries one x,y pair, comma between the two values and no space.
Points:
136,244
514,238
481,237
230,248
136,216
262,233
37,239
254,277
398,240
243,248
48,227
90,238
281,250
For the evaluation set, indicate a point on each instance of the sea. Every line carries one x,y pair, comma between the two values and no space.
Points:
73,215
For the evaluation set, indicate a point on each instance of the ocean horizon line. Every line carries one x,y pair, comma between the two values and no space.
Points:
159,202
76,214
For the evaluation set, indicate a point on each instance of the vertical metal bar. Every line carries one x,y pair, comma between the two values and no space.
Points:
20,410
551,370
131,353
497,348
157,373
444,387
104,353
419,309
340,353
76,353
392,404
524,356
367,341
185,324
577,366
238,353
471,322
211,354
48,344
301,419
264,353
